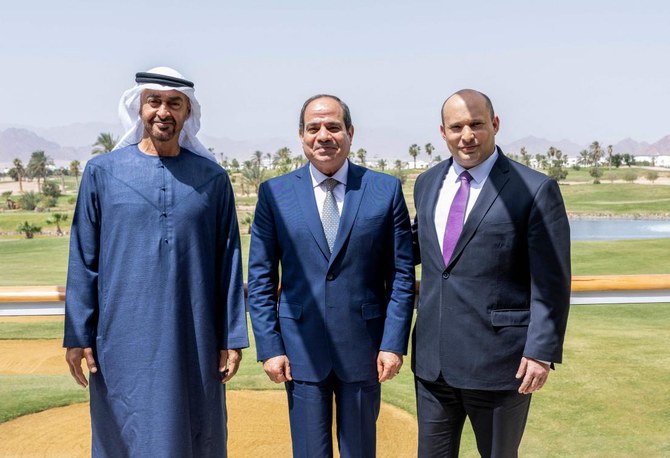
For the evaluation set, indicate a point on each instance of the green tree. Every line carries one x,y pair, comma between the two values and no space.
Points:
282,161
610,150
361,154
526,157
57,219
18,173
235,164
595,153
104,143
50,189
37,166
258,158
74,171
596,173
584,158
414,151
628,159
557,164
617,160
253,174
541,161
28,229
382,164
429,148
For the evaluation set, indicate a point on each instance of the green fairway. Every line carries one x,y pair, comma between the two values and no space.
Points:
618,199
39,261
24,394
621,257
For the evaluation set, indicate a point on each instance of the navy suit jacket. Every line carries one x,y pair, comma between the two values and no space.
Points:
506,291
335,312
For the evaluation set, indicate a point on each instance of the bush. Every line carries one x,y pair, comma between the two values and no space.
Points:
630,176
29,200
28,229
51,189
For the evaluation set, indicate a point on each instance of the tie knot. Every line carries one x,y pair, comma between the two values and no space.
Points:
330,184
465,177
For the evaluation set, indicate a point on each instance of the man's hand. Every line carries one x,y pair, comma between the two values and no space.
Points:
534,374
388,365
278,369
229,363
73,356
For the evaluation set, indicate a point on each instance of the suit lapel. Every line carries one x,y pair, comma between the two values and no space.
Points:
352,202
497,179
305,196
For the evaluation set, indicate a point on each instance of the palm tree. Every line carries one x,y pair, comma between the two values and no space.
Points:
18,173
74,171
595,152
258,158
37,166
398,164
104,143
282,160
56,219
414,151
360,154
610,150
28,229
584,158
429,148
382,164
253,174
525,156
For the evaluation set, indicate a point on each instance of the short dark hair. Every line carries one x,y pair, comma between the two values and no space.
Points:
487,100
345,110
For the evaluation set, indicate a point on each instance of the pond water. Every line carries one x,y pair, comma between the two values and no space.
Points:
619,229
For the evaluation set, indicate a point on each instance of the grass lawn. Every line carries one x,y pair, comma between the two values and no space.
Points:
609,398
618,199
622,257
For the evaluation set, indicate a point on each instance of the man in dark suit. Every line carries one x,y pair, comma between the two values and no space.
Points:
338,236
494,245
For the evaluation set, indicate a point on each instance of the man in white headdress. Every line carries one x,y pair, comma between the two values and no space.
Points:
155,300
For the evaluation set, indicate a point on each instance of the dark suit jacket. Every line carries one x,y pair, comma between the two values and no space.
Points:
506,291
335,311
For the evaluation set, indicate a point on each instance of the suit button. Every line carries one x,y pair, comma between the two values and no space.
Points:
445,275
330,276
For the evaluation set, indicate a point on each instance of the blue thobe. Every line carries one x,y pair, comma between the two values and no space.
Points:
155,288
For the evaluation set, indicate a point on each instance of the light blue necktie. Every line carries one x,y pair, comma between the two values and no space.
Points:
330,216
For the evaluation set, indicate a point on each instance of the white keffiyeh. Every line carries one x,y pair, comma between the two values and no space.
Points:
129,112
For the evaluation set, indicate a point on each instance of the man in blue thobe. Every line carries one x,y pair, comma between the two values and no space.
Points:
155,300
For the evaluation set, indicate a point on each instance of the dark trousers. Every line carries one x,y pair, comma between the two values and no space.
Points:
311,416
498,419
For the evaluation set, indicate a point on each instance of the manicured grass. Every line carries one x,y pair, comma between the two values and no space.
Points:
618,199
25,394
35,330
10,219
40,261
623,257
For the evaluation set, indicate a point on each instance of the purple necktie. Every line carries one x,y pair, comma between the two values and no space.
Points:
456,216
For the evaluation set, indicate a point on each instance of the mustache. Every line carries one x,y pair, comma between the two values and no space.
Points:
163,120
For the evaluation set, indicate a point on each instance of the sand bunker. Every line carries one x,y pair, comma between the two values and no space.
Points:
257,420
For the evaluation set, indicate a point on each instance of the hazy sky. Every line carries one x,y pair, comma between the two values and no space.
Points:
582,70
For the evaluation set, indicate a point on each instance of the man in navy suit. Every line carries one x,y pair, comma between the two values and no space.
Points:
494,245
337,237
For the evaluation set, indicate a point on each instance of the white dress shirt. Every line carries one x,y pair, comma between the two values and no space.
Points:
320,188
450,185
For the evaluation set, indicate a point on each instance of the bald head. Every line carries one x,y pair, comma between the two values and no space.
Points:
470,94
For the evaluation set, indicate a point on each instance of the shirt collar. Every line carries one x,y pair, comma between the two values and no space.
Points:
340,175
480,171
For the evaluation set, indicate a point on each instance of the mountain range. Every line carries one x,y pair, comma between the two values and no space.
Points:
66,143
